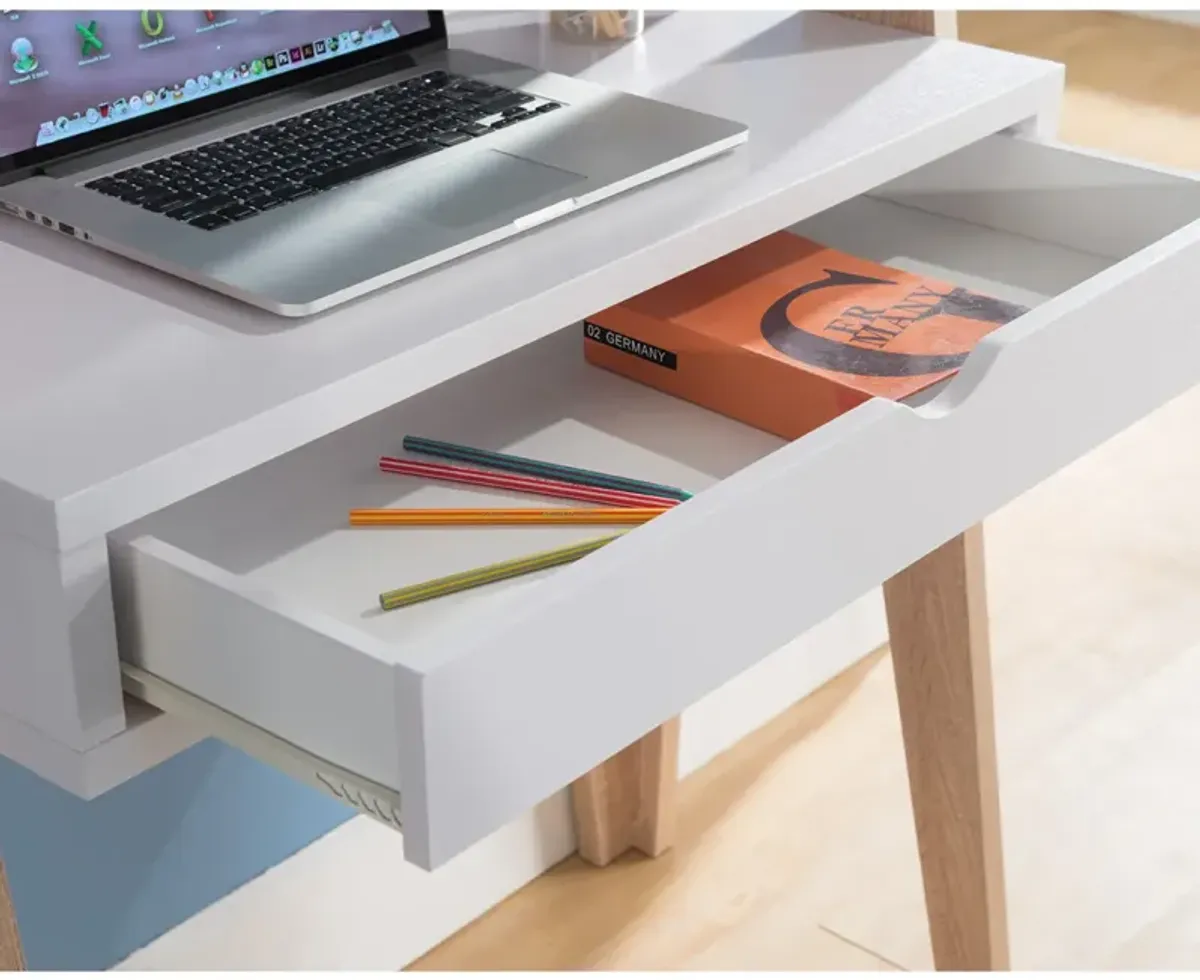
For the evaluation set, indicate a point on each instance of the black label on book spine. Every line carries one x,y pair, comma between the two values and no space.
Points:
629,345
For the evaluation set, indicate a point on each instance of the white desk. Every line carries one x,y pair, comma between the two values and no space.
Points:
125,393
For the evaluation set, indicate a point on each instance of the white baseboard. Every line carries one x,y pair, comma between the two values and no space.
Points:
1189,17
148,739
349,900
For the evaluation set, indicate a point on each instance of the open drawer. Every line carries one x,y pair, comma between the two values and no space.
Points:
252,604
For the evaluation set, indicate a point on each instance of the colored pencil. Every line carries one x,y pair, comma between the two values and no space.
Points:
431,517
519,484
512,568
538,468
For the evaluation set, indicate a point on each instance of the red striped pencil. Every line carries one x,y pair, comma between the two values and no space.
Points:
520,484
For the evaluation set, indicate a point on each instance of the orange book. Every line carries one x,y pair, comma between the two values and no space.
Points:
787,334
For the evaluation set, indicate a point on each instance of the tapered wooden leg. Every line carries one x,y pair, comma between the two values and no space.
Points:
940,23
629,802
937,618
11,957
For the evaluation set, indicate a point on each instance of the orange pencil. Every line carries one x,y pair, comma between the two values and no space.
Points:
503,516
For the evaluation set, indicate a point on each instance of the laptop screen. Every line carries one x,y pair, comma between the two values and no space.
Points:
68,73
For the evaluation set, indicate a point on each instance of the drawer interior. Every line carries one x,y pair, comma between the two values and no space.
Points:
997,263
284,524
269,607
1024,221
1080,200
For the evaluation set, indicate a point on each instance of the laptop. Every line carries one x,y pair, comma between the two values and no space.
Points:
296,159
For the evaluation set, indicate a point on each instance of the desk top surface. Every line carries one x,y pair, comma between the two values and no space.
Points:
123,390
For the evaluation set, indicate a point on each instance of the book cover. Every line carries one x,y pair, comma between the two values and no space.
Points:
786,333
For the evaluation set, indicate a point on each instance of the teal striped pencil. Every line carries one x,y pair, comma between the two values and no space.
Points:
535,467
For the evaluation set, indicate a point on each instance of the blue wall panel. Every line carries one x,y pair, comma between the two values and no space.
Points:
93,881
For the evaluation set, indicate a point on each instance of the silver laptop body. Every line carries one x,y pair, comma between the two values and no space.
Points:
335,243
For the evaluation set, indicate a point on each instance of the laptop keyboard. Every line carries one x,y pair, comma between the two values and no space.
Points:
237,178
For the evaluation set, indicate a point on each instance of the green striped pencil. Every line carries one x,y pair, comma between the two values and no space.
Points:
461,581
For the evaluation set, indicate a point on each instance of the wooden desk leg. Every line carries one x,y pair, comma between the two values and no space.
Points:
937,618
630,801
11,957
939,23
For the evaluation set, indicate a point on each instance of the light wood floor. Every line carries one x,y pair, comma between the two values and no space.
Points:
797,849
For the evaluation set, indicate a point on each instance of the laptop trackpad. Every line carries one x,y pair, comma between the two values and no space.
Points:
495,185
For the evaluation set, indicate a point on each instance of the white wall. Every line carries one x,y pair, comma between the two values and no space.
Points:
349,901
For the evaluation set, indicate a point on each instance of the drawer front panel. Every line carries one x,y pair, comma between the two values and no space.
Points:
287,669
641,630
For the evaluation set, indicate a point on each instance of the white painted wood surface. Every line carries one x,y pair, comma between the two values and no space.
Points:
1084,199
278,628
876,104
150,737
58,652
161,390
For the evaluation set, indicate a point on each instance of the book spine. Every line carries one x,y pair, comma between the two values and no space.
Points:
737,383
